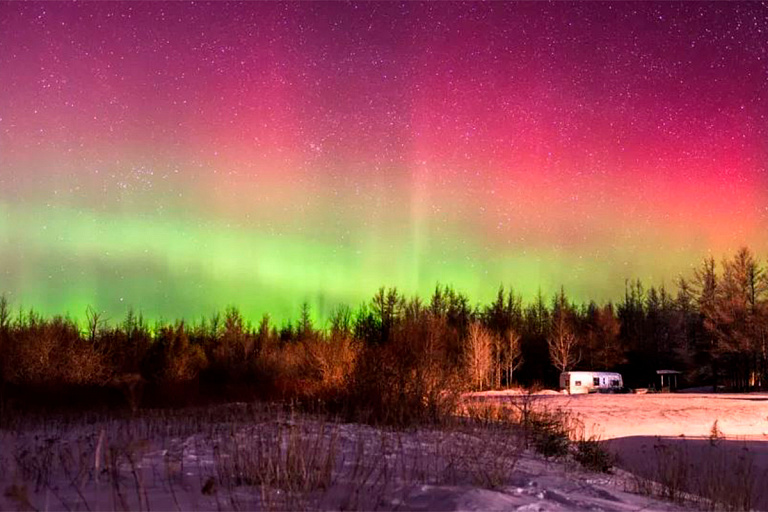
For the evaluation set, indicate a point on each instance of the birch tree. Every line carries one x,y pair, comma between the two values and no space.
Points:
479,345
562,341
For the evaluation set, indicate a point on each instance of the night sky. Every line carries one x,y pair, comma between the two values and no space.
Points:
180,157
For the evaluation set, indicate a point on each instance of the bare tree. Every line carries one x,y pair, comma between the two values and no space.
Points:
497,361
514,354
479,362
5,313
95,323
562,340
5,316
562,349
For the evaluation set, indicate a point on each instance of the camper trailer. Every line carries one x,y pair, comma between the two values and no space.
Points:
591,382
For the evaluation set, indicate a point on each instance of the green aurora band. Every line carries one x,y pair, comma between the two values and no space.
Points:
181,157
73,259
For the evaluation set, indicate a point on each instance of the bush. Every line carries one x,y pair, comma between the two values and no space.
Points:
50,353
329,361
592,456
549,435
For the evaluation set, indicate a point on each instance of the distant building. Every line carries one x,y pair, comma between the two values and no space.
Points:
590,382
668,379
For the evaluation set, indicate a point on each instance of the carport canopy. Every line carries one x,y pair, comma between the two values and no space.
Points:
671,377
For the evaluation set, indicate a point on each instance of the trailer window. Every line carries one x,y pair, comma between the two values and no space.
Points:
597,381
615,383
577,383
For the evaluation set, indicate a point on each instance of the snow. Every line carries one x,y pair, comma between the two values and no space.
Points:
739,416
642,429
248,458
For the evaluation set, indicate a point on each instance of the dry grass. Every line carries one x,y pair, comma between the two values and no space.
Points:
260,457
554,433
241,457
710,475
287,463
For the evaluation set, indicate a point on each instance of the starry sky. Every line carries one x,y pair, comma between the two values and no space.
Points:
179,157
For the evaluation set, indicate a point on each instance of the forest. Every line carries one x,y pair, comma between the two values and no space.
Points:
395,356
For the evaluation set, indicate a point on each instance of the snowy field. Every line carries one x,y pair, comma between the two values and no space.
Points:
649,433
242,457
738,416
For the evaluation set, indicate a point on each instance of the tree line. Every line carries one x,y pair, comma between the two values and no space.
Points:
713,328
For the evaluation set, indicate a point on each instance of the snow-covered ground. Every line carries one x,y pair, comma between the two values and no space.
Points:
738,416
651,432
246,457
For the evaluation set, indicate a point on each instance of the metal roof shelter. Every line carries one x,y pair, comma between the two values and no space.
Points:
671,378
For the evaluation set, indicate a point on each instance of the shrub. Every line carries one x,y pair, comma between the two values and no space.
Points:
592,456
549,435
548,432
330,361
715,434
49,353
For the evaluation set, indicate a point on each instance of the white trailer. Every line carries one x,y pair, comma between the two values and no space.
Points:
590,382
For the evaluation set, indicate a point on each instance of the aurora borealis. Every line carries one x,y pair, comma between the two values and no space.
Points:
179,157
